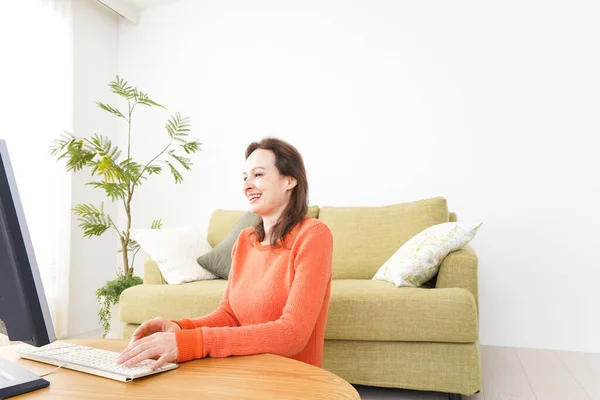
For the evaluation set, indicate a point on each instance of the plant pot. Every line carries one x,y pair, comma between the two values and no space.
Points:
116,325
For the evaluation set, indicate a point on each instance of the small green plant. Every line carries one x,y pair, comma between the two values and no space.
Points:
108,295
119,177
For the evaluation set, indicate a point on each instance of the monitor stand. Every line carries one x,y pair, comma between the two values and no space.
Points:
15,380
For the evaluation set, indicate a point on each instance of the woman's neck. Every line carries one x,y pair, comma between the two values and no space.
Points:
268,223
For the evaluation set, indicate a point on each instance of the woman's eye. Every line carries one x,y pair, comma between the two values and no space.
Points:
245,179
258,174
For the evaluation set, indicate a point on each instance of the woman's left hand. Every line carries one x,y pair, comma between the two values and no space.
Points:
161,344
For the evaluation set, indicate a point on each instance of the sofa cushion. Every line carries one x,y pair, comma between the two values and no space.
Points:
218,259
418,260
364,238
175,251
361,309
142,302
223,221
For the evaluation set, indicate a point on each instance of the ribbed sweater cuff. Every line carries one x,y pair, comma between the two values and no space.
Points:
215,342
190,344
184,323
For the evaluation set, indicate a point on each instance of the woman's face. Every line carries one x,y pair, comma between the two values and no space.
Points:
266,190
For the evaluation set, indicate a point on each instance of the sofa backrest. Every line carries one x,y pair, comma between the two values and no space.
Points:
364,238
222,222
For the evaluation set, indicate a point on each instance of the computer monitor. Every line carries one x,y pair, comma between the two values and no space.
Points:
24,312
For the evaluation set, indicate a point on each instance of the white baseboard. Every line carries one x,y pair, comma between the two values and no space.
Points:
93,334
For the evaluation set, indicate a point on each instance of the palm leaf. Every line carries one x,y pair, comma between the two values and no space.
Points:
115,191
184,161
133,246
178,127
108,169
110,109
191,147
122,88
93,221
176,174
77,156
58,145
143,99
106,165
131,171
104,147
153,169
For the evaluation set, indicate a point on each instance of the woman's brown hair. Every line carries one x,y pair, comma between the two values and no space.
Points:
288,162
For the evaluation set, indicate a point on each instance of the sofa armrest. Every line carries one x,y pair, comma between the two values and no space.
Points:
459,270
152,274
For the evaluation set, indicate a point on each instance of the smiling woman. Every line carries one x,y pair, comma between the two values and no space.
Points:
277,296
274,171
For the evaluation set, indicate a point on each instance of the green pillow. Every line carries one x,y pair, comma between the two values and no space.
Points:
218,260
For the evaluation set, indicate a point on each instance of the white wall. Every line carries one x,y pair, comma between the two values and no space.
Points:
35,107
95,63
491,105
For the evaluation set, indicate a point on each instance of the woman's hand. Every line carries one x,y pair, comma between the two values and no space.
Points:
150,340
152,326
159,344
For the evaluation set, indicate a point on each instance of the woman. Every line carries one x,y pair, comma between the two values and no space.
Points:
277,296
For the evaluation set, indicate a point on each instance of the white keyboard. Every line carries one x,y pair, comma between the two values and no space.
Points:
89,360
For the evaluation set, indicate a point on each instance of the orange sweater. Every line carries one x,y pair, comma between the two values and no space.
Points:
276,300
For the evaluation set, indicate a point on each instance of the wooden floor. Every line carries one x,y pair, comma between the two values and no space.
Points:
520,374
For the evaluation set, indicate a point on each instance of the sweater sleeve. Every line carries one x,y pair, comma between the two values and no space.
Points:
289,334
222,316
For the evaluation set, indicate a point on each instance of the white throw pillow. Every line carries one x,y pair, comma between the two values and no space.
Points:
175,250
418,260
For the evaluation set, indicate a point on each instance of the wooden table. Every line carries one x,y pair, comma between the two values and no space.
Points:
263,376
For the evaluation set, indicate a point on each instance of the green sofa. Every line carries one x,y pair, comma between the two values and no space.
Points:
377,334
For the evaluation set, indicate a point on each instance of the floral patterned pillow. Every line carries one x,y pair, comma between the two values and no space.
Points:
418,260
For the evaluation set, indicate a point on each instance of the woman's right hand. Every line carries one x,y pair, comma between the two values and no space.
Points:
154,325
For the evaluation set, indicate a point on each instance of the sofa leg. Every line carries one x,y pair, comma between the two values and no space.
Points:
454,396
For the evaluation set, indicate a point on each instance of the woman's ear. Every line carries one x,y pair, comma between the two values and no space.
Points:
291,182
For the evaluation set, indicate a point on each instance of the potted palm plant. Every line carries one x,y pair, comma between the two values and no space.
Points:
119,175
